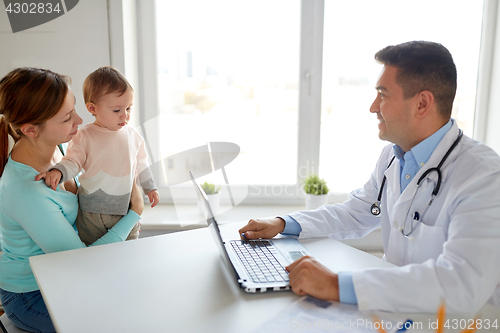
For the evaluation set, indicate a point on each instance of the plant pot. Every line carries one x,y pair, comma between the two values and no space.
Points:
214,201
315,201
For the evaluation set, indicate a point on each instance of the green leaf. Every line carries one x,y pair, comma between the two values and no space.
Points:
315,185
210,188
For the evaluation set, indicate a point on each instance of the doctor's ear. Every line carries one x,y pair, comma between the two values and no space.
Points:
30,130
425,103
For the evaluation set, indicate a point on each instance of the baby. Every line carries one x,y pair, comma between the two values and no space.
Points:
110,152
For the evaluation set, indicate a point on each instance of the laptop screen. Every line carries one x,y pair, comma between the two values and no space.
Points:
212,224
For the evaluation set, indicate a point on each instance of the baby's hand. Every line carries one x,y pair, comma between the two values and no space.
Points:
154,198
52,178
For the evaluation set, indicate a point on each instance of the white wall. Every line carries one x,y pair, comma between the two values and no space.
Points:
74,44
492,132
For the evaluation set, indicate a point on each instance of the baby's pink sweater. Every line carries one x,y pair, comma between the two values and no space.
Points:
110,159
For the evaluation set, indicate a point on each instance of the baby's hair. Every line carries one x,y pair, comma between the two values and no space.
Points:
104,81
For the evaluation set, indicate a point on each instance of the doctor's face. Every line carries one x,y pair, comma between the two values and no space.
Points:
393,111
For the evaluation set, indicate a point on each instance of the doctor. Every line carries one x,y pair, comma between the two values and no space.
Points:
445,237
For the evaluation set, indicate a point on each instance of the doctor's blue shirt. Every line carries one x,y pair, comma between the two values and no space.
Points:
410,163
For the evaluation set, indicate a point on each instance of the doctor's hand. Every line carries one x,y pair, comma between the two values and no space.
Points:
262,228
309,277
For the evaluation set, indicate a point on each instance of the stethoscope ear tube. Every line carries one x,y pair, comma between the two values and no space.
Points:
438,184
375,208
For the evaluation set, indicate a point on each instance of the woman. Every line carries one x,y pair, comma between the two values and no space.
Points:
37,112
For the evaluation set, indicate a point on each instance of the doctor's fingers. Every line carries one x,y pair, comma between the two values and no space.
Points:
299,262
300,277
299,272
312,278
297,287
257,228
253,230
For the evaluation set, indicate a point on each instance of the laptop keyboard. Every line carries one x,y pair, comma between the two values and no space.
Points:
259,261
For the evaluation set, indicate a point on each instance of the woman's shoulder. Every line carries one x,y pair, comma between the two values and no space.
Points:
15,171
18,183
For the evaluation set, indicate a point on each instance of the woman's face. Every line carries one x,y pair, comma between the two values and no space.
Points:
64,125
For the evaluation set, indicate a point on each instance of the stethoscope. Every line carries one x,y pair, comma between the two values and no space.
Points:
375,208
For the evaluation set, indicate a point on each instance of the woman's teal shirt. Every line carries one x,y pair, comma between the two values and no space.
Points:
34,220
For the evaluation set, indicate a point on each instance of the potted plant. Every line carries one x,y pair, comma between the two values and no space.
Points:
316,191
213,195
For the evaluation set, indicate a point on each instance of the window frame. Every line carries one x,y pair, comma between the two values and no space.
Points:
136,56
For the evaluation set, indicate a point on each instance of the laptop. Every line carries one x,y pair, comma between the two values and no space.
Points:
256,265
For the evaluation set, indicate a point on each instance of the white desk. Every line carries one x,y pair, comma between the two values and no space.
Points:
155,285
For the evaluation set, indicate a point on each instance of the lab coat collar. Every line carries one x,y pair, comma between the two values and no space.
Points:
441,150
436,157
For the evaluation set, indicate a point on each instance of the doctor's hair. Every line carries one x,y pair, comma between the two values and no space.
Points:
28,96
423,65
103,81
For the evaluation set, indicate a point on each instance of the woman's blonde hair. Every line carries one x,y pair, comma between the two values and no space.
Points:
28,96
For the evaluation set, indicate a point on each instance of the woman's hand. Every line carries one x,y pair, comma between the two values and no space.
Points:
262,228
136,200
69,186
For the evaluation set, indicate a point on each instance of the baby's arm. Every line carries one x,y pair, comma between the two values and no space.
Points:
154,197
145,176
52,178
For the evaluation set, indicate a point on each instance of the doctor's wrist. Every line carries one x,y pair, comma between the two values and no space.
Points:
281,224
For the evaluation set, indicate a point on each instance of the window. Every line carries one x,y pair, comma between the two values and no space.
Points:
353,32
232,71
228,72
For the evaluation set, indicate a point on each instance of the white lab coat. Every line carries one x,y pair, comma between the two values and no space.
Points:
454,255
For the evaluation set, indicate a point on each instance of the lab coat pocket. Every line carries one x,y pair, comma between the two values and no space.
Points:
426,243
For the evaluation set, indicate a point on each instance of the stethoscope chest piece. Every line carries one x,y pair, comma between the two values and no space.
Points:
375,209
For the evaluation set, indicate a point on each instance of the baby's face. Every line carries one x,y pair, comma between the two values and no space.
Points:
113,111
